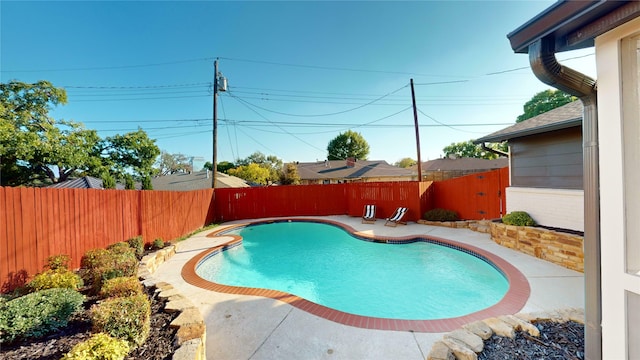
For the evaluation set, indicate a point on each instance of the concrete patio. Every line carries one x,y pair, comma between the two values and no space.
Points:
250,327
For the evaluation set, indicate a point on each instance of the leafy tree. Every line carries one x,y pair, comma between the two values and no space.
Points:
289,175
208,166
36,149
224,166
173,163
405,162
253,173
348,144
108,182
129,184
146,183
543,102
271,163
32,143
133,151
469,149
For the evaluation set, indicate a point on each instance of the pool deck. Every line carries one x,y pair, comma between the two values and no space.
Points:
253,327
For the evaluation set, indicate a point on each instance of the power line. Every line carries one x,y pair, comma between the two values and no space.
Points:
109,67
335,68
316,115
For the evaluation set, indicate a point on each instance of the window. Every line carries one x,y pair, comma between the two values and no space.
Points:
630,57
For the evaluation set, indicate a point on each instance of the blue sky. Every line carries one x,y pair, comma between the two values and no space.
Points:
299,73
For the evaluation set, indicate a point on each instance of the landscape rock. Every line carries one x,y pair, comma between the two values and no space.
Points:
473,341
460,349
479,328
500,328
440,351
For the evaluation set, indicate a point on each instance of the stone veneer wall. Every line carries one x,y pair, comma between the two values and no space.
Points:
191,330
559,248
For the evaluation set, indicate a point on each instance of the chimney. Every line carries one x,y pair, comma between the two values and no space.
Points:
351,162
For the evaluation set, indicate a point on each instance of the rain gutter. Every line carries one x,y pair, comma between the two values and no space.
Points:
545,66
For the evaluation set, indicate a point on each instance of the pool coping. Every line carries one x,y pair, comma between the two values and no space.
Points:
512,302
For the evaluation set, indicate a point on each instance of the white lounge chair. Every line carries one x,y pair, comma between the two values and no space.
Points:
369,215
396,218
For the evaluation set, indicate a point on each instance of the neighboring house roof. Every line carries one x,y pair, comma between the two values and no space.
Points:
85,182
462,164
338,169
563,117
195,181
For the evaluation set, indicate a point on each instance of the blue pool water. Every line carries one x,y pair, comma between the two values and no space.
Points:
326,265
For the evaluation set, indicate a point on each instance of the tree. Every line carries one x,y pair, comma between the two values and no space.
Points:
405,162
348,144
108,182
129,184
36,149
173,163
469,149
271,163
32,143
224,166
132,152
146,183
289,175
543,102
253,173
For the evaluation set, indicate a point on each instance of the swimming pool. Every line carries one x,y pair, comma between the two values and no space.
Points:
512,301
424,279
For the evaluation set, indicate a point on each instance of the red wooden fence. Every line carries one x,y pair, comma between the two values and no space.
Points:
476,196
36,223
321,200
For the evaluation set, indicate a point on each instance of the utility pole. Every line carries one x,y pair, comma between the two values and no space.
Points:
214,165
415,120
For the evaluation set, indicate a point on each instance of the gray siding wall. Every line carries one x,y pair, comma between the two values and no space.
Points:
551,160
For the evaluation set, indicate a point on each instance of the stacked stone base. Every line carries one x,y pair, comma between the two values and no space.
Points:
559,248
466,343
191,330
482,226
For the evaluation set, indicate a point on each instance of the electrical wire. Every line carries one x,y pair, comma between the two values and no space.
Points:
315,115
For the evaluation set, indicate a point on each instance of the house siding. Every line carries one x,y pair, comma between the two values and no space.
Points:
549,207
550,160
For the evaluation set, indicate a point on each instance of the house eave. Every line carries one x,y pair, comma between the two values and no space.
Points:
573,24
528,132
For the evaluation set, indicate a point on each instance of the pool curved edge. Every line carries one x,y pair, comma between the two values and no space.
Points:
512,302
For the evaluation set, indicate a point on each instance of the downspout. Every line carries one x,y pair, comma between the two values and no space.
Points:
545,66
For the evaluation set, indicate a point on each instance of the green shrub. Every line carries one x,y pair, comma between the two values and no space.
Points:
38,314
99,346
121,248
56,262
126,318
137,244
158,244
518,218
441,215
121,287
100,265
94,258
60,278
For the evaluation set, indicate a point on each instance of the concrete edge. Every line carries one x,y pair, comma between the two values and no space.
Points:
467,342
191,329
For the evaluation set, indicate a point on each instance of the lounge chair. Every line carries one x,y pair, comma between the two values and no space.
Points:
369,215
396,218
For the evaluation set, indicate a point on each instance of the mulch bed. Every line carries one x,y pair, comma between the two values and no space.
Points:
561,341
158,346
